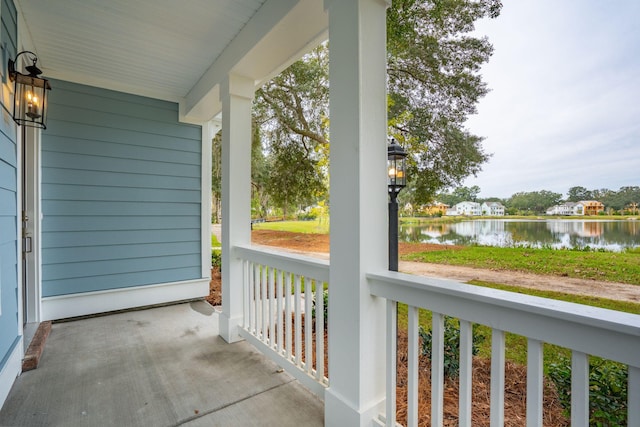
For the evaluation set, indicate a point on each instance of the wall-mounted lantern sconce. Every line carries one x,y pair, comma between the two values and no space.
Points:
30,94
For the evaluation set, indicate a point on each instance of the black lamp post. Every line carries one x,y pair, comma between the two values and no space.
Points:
30,93
396,181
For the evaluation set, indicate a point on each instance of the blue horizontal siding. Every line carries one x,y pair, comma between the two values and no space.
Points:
103,121
72,270
121,223
121,192
104,95
9,202
108,164
61,144
111,102
85,132
56,207
120,179
9,321
102,253
69,239
7,150
117,281
8,179
7,228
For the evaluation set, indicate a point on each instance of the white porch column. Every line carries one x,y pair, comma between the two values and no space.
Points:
357,38
236,95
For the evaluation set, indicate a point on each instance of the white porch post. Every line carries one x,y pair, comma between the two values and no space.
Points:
236,94
358,210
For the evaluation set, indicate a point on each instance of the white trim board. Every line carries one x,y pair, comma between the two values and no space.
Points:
10,371
205,199
74,305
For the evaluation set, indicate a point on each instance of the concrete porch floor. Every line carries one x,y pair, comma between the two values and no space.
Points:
163,366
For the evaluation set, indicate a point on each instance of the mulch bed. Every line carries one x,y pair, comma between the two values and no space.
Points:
215,288
514,396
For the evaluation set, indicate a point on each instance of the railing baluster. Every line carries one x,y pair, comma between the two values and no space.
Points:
319,331
308,324
437,369
288,319
271,283
534,383
633,397
256,299
249,291
265,303
298,322
466,370
497,378
412,367
579,389
279,313
391,363
245,295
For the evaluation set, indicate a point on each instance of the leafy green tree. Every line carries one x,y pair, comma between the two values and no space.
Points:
535,202
576,194
216,178
292,112
260,200
303,187
434,83
459,194
626,196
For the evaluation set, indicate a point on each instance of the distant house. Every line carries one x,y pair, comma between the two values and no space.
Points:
465,208
583,207
492,209
591,207
435,208
567,208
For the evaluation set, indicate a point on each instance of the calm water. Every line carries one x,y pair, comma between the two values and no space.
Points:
609,235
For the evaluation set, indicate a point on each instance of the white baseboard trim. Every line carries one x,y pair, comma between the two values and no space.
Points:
65,306
10,371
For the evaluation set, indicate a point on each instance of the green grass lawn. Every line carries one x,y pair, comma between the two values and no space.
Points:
621,267
317,226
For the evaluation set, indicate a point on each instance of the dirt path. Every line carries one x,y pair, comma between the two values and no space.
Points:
318,246
610,290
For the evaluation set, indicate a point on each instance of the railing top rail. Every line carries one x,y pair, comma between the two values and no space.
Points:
606,333
299,264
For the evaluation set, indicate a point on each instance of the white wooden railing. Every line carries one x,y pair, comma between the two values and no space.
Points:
584,330
279,288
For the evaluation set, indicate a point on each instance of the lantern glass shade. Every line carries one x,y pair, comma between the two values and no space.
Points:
30,101
396,170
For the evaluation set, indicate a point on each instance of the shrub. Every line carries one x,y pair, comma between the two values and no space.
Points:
607,391
309,216
325,303
216,259
451,345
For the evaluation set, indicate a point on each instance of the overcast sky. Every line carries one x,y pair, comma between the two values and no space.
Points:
564,106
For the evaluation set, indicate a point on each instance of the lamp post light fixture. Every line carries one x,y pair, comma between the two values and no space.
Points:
396,181
30,93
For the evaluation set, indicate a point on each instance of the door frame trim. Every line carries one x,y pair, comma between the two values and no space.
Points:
30,188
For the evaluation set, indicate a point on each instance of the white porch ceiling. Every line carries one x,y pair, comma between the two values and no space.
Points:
176,50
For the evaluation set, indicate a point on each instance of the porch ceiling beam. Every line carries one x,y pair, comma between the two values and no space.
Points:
279,33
